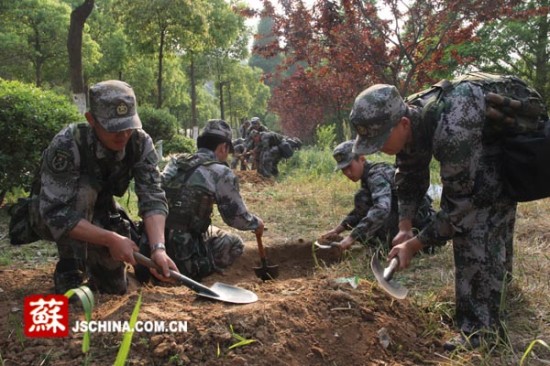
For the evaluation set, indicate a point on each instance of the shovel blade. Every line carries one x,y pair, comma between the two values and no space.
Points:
224,292
267,272
391,287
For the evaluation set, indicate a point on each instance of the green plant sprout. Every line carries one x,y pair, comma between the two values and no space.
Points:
241,340
124,348
87,299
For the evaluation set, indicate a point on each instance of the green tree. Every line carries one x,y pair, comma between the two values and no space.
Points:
517,45
163,27
33,36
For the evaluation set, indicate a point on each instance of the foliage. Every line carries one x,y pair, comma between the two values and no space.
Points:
325,137
33,36
158,123
336,49
179,144
518,45
29,119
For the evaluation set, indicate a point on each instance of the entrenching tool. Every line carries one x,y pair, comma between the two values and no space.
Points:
326,246
265,272
384,276
219,291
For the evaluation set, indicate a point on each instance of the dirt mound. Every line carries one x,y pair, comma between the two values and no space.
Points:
252,177
304,317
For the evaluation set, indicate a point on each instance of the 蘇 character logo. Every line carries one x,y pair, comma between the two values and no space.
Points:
46,316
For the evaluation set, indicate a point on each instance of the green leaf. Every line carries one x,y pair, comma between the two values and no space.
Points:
530,348
127,340
86,297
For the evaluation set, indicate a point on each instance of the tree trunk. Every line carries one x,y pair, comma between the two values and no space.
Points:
159,79
74,48
222,113
194,121
541,62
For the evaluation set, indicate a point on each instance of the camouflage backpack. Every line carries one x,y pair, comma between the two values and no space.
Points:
190,209
517,118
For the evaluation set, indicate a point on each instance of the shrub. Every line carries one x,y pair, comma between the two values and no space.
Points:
29,119
158,123
179,144
325,136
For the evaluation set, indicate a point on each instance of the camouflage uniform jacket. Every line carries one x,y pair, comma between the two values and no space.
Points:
63,179
377,182
454,139
221,182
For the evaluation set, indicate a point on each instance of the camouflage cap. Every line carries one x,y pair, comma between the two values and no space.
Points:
343,155
375,112
255,121
113,105
218,128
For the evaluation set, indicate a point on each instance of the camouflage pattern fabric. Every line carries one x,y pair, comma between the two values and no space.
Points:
475,211
270,154
374,218
220,181
68,195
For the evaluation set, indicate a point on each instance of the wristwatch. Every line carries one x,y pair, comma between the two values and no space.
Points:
158,246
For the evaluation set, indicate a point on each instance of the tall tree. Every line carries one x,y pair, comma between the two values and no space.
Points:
164,26
33,37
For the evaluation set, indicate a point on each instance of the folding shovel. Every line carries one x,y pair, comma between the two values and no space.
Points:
219,291
384,277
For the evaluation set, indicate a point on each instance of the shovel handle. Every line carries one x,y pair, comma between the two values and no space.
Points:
188,282
260,246
389,271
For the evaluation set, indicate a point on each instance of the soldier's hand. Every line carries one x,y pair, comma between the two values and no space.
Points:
122,249
402,236
165,263
346,243
405,251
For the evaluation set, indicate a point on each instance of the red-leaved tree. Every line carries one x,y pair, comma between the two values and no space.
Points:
338,48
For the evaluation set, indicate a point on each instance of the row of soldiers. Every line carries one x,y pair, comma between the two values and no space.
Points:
261,149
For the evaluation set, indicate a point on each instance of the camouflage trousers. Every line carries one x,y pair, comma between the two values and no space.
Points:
217,246
483,251
269,159
106,274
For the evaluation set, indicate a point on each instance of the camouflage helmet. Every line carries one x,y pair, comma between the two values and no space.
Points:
375,112
113,105
255,121
218,128
343,154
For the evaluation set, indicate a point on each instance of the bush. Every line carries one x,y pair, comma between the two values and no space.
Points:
158,123
325,136
29,119
179,144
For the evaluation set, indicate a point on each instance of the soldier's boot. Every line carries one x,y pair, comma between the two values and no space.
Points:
463,342
67,276
109,281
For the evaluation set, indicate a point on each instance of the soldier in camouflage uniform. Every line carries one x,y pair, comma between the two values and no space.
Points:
374,219
475,212
194,183
83,167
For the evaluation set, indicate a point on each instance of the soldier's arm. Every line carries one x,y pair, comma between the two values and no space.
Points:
231,206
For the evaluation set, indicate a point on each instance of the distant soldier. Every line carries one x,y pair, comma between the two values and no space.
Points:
193,184
239,155
243,128
374,218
